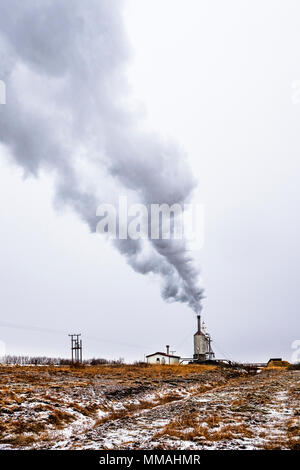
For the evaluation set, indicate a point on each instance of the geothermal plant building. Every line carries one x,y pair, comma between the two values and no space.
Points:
202,343
202,349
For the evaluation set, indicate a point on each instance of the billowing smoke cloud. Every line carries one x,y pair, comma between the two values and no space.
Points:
63,64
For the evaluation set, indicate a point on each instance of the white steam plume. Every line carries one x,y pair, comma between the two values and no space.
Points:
63,65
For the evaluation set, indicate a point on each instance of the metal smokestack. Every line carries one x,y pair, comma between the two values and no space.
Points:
200,342
199,323
168,349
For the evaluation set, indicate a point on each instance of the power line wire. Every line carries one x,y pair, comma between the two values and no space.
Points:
62,332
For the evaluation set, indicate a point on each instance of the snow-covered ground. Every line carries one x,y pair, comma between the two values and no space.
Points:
186,407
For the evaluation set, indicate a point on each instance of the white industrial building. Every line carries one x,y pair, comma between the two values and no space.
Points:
162,358
202,349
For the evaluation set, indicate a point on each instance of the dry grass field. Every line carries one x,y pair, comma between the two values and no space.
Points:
135,407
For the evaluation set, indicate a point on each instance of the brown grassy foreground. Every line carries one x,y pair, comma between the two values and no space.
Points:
131,407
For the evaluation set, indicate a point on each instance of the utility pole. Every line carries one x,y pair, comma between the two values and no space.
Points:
76,348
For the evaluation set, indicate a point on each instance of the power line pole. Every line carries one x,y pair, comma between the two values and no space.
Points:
76,348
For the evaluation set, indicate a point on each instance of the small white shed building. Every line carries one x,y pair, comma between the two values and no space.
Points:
162,358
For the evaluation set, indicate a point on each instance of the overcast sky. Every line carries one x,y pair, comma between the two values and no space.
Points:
219,77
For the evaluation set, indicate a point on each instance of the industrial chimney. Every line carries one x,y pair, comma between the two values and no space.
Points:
199,323
200,342
168,349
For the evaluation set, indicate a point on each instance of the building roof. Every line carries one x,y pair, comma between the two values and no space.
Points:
163,354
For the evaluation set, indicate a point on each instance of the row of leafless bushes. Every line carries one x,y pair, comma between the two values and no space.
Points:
52,361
